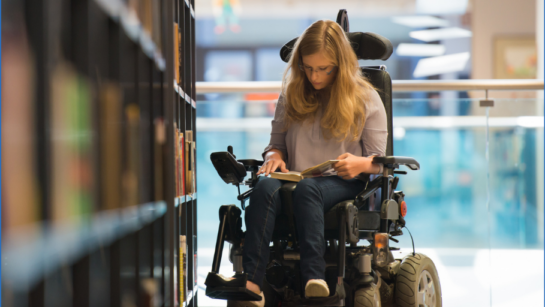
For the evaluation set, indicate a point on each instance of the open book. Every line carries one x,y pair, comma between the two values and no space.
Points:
320,170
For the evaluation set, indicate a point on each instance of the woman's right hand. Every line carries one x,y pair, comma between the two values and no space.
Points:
273,161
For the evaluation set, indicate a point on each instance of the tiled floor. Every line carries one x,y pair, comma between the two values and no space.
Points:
516,276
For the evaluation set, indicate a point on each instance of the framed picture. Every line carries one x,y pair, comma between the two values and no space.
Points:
515,57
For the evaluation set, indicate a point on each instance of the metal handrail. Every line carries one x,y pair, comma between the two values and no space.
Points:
397,86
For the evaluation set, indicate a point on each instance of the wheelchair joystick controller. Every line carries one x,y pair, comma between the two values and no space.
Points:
230,150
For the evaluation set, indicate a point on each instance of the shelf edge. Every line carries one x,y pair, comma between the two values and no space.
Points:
29,253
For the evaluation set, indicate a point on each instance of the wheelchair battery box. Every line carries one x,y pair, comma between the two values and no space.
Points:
229,169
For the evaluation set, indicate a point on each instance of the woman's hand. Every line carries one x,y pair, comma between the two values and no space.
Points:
350,166
273,160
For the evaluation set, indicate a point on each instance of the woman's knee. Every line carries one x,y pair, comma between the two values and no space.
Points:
307,198
263,197
307,187
266,186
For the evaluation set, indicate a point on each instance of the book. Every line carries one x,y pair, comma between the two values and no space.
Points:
156,24
111,126
160,138
20,200
71,144
177,53
189,176
177,161
130,179
146,13
193,168
321,170
181,153
183,268
195,276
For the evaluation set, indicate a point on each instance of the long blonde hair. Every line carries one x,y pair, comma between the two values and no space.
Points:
344,114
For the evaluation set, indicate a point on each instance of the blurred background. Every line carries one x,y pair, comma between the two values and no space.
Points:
476,205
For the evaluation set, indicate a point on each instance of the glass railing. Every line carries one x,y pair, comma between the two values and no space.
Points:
475,206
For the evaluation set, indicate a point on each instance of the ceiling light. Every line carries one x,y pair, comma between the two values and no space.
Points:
441,7
440,34
420,21
441,64
423,50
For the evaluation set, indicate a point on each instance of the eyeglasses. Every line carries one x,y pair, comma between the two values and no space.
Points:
320,71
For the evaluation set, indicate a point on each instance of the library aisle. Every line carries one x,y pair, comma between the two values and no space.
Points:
99,191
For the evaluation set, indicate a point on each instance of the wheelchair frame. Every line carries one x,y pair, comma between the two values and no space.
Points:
347,213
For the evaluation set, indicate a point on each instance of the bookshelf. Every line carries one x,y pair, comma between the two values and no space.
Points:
97,192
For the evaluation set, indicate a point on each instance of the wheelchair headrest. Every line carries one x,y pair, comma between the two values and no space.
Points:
366,45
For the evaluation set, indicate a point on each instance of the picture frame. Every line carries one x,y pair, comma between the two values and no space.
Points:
515,57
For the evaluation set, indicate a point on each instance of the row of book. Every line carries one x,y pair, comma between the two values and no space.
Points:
182,269
178,54
185,162
149,14
79,179
182,279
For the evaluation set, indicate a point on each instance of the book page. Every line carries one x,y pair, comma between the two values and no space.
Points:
290,176
290,173
322,169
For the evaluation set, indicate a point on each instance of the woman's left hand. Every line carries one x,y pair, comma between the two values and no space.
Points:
350,166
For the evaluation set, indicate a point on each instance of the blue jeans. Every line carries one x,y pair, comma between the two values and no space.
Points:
311,198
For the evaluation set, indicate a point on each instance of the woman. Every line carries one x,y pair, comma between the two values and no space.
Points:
327,110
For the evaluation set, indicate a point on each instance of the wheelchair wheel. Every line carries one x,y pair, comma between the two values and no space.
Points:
367,297
417,283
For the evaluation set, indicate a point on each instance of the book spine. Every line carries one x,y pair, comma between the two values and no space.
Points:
160,138
176,161
130,176
193,168
20,190
183,268
195,260
188,159
176,53
182,165
110,145
181,155
72,171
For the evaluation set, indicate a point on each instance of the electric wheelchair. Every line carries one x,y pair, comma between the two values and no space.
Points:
362,275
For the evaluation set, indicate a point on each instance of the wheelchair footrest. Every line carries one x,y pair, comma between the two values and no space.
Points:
226,288
231,293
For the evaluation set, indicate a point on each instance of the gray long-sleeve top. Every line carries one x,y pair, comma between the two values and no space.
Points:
304,146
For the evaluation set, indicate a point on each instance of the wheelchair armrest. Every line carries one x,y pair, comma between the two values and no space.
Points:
370,189
396,161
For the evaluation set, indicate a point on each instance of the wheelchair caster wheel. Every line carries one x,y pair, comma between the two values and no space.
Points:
367,297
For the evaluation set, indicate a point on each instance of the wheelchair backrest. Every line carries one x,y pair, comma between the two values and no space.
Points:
380,79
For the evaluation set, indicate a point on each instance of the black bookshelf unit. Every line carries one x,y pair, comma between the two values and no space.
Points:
96,215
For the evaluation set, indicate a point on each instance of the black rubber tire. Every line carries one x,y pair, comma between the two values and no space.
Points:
408,279
365,297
